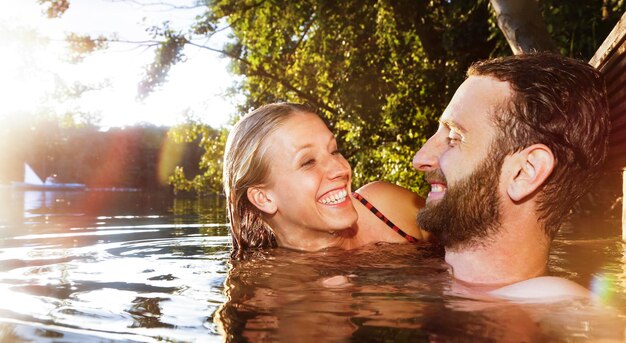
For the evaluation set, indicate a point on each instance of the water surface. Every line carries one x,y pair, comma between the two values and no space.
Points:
134,266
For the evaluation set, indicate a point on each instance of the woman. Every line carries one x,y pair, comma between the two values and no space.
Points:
287,185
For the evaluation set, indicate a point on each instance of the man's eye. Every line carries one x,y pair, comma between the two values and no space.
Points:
454,138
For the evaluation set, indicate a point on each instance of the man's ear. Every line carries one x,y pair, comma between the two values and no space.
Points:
262,200
531,167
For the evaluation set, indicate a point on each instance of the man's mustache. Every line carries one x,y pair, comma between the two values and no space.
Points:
435,176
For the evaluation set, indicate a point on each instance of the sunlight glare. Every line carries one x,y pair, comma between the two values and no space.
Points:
35,70
24,303
24,81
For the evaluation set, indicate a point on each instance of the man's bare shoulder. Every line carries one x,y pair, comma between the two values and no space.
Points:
542,289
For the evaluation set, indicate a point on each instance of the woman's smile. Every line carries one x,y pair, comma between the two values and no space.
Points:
334,197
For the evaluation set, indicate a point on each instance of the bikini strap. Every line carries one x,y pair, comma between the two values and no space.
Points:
382,217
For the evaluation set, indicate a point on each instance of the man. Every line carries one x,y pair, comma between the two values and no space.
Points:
521,140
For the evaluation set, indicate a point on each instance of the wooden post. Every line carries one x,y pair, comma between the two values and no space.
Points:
623,205
610,59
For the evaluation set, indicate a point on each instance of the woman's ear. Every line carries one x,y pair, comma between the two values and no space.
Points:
262,200
532,166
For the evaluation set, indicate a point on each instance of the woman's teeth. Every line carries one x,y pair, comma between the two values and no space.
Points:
335,198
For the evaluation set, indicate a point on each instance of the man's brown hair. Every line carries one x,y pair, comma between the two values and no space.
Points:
562,103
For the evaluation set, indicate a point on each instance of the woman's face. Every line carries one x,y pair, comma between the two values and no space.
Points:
309,179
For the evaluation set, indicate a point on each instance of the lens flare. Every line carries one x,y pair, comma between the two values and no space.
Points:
603,287
171,155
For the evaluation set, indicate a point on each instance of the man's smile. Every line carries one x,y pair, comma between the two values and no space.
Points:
438,185
437,191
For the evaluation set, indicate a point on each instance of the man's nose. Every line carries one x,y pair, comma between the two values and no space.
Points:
427,158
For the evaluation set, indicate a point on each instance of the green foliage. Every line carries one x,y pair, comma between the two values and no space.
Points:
212,141
169,52
580,29
380,72
120,157
577,27
55,8
80,46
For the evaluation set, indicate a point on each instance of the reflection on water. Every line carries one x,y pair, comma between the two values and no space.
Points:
389,293
110,265
134,266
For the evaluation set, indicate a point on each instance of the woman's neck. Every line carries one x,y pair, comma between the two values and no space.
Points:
313,240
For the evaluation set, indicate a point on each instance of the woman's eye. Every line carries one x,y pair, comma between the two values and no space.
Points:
308,162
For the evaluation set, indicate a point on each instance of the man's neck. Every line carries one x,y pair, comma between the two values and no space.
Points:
512,255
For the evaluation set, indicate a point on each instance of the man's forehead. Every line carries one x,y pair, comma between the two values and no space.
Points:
475,102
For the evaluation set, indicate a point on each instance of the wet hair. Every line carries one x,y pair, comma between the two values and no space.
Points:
245,166
559,102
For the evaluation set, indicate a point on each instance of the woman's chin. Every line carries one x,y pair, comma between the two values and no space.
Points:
344,224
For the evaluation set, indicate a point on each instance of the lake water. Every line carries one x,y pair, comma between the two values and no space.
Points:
134,266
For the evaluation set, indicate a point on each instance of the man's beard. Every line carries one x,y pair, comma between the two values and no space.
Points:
469,212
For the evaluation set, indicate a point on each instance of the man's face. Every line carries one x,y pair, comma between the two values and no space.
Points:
462,168
469,212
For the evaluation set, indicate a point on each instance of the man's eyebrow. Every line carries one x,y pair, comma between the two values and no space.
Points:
452,125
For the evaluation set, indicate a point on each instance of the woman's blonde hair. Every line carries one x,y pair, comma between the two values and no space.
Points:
245,166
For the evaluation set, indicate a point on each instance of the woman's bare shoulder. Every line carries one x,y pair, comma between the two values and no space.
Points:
398,204
384,192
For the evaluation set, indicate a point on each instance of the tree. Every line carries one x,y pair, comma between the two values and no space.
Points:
578,35
379,71
212,141
572,29
523,26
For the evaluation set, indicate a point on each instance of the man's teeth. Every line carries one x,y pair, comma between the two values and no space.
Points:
437,188
335,198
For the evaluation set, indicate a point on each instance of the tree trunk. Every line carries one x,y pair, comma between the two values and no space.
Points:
523,26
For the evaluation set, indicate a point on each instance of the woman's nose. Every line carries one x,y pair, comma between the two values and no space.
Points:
338,167
427,158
